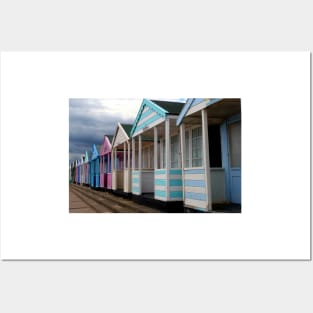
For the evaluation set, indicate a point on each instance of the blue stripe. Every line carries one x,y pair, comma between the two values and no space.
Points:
195,171
160,193
195,196
195,183
201,209
176,172
176,194
176,182
135,180
159,172
160,182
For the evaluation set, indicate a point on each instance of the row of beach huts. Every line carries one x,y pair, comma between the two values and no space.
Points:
175,155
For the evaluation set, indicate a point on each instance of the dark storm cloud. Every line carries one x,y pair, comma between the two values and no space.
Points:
89,122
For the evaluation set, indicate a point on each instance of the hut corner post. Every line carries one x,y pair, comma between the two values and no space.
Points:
206,158
167,157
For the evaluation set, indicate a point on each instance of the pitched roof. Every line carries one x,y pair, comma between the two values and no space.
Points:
110,137
169,106
127,128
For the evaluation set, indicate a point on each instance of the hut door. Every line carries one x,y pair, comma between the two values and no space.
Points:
234,131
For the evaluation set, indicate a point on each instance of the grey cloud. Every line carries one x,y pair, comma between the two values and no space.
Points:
88,126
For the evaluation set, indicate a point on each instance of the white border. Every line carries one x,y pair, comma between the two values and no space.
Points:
275,93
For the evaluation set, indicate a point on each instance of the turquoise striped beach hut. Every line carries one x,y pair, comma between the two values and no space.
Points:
156,166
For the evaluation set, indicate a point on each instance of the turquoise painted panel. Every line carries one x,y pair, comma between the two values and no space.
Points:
195,171
176,182
159,172
176,172
195,183
176,194
195,196
135,189
160,182
160,193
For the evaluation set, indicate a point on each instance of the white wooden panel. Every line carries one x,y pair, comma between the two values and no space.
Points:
194,176
142,121
120,137
196,204
194,189
160,176
158,187
114,186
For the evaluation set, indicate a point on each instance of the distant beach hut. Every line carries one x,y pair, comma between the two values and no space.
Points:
104,161
210,135
94,168
76,171
84,179
156,168
121,151
81,169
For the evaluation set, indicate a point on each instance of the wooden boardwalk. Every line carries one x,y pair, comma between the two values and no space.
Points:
85,200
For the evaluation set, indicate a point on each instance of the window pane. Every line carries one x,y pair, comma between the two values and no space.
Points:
174,152
235,144
196,147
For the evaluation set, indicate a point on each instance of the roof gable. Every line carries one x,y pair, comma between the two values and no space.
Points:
94,152
86,157
122,134
106,146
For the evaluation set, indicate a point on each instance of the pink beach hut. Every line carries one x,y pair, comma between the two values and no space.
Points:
105,163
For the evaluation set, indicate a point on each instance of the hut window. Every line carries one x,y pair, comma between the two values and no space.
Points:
196,142
174,152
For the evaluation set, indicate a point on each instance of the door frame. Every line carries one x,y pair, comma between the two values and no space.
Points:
225,145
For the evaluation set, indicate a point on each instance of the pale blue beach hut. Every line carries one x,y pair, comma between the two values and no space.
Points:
94,168
210,136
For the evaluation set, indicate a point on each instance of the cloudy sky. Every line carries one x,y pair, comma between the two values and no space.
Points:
90,119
